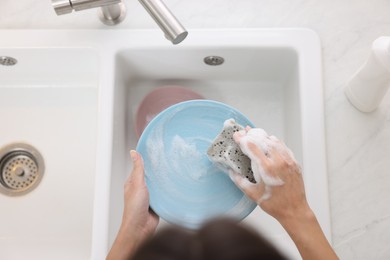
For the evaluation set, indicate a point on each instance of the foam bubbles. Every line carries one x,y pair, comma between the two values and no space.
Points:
264,143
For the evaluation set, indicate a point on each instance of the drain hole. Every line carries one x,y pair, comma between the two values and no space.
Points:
21,169
213,60
7,61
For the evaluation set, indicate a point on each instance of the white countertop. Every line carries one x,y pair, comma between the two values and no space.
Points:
358,144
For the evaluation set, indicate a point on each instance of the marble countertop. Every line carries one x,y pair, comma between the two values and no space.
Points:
358,144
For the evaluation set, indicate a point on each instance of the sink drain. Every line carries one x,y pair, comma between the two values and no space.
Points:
21,169
7,61
214,60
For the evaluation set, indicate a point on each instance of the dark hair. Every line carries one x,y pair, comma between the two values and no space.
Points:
218,239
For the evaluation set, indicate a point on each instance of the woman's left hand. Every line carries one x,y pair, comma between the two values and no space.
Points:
138,222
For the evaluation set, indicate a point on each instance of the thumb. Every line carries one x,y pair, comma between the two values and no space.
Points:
137,174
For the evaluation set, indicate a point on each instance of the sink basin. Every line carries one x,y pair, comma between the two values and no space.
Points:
49,100
273,77
95,80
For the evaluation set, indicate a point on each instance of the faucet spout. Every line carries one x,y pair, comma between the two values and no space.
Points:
172,28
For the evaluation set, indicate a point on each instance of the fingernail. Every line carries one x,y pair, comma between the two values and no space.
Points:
134,155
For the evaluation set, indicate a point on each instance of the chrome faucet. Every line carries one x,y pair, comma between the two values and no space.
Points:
114,11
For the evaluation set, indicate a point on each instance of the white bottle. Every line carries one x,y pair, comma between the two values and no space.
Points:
370,83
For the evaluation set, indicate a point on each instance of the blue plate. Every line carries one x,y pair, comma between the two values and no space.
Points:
185,187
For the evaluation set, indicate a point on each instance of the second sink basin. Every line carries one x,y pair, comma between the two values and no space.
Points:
49,100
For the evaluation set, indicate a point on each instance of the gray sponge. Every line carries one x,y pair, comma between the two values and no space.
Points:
227,154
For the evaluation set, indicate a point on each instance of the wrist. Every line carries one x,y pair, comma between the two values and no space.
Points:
130,235
126,243
299,220
308,236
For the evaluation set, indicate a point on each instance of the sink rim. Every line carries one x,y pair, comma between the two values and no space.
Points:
109,42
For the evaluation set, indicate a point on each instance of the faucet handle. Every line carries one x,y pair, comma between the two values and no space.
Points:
111,12
67,6
62,6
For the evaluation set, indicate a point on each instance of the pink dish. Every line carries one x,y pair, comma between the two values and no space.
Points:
158,100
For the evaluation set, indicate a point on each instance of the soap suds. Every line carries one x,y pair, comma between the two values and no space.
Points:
181,148
265,143
186,159
156,153
180,156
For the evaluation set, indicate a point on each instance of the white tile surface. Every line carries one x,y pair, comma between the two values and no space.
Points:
358,144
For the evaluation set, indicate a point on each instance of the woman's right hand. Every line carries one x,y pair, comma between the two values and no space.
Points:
279,191
279,188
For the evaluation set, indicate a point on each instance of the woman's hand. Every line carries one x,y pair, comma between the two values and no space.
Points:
279,191
138,221
279,188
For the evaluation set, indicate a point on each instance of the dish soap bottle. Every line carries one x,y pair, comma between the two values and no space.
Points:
370,83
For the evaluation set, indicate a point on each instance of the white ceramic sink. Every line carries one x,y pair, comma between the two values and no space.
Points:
272,76
49,100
